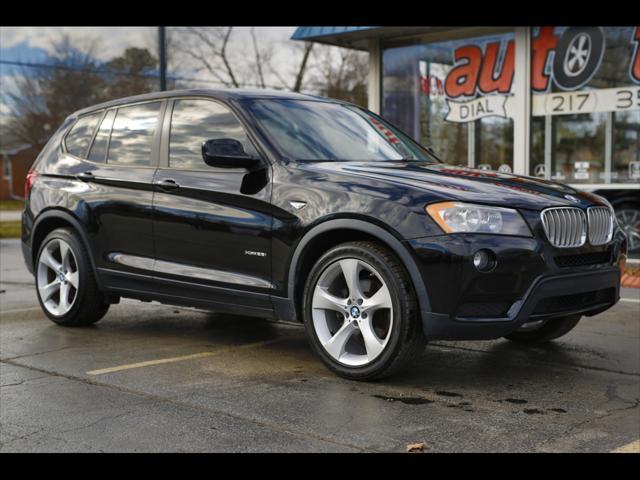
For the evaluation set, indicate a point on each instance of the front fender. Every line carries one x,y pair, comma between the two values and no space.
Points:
286,309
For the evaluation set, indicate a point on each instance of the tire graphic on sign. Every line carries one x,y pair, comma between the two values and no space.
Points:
578,56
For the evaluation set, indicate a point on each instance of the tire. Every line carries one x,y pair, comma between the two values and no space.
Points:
628,216
393,313
85,303
547,331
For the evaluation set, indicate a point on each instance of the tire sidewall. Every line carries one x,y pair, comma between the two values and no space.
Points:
83,273
400,310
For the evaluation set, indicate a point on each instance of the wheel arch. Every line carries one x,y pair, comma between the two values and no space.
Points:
334,232
54,218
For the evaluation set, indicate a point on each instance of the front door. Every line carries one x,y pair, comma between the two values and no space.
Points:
212,226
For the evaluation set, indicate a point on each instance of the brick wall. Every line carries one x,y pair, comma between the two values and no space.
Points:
20,163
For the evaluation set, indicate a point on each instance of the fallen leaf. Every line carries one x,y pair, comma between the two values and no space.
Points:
415,447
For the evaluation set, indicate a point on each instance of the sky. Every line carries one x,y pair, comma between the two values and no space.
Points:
32,40
34,44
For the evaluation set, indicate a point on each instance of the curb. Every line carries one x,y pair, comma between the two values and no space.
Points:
630,281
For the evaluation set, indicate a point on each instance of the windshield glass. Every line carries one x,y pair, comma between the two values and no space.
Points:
325,131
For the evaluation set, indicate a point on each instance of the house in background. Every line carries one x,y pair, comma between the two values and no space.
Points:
15,163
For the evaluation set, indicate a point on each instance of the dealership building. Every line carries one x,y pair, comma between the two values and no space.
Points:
560,103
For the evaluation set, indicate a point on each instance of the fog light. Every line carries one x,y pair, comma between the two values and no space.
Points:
484,260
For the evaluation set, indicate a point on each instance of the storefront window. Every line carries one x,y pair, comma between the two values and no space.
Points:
455,96
626,147
585,104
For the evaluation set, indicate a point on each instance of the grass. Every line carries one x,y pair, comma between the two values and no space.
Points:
10,229
11,204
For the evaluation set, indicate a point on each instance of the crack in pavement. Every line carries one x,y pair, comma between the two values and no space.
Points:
29,355
102,419
26,380
573,428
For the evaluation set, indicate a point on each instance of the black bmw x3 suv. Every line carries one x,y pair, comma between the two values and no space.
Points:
313,210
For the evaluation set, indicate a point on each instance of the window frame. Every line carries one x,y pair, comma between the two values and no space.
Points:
155,142
166,137
63,143
7,168
95,135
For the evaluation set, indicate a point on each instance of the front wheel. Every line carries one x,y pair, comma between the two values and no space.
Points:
360,312
65,282
541,331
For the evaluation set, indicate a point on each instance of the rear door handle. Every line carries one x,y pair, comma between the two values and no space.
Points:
167,184
85,176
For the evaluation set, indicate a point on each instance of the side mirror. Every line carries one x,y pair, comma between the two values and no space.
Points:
227,153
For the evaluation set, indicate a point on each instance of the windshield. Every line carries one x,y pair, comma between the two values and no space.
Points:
325,131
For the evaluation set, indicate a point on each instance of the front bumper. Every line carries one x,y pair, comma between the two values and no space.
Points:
586,294
531,280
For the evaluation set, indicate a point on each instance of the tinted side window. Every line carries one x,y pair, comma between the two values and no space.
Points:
194,121
132,134
98,152
78,139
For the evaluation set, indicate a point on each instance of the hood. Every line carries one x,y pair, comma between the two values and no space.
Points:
448,182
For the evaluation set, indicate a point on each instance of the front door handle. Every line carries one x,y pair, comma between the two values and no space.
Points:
167,184
85,176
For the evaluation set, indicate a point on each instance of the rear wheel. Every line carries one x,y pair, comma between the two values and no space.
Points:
540,331
66,287
360,312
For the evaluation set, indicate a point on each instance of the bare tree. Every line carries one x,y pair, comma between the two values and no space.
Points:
341,73
304,50
42,97
262,58
237,61
307,47
208,46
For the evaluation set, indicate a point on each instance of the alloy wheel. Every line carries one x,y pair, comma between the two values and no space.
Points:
57,277
629,220
352,312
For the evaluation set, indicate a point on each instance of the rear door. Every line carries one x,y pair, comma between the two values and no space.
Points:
212,226
121,163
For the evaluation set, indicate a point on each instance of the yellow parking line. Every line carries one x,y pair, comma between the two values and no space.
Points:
633,447
149,363
161,361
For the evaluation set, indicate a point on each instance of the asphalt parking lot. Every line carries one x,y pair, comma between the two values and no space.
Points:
152,378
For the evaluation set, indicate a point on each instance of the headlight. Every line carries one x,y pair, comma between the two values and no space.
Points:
455,217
